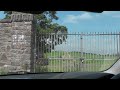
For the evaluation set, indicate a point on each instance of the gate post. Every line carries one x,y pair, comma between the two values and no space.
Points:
119,46
22,41
81,46
33,46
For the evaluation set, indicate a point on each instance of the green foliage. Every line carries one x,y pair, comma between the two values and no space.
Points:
3,71
40,68
45,25
7,14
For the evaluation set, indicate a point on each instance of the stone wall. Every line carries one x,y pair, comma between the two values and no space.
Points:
5,43
15,44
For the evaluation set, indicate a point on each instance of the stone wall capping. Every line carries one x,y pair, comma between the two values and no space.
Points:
5,21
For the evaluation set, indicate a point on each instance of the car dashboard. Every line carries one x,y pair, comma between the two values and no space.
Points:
67,75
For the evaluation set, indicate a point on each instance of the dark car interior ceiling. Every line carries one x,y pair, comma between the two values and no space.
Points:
38,12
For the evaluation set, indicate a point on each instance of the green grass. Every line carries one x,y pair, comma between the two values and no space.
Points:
3,71
69,65
92,62
57,54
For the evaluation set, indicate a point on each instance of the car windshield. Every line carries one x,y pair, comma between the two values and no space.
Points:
58,41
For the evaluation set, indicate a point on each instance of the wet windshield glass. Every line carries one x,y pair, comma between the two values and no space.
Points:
58,41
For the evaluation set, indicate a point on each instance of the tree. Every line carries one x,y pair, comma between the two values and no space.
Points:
7,14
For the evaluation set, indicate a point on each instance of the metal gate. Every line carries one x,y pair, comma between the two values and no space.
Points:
75,52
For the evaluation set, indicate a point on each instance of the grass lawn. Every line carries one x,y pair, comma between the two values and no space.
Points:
57,54
92,62
70,65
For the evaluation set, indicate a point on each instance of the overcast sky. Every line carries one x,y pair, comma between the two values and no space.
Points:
81,21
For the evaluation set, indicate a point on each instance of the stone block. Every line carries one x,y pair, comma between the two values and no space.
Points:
2,43
16,46
25,57
15,63
7,30
28,23
3,39
2,64
16,24
21,52
20,28
28,38
27,33
8,48
4,57
13,56
14,51
27,50
5,25
3,49
23,47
